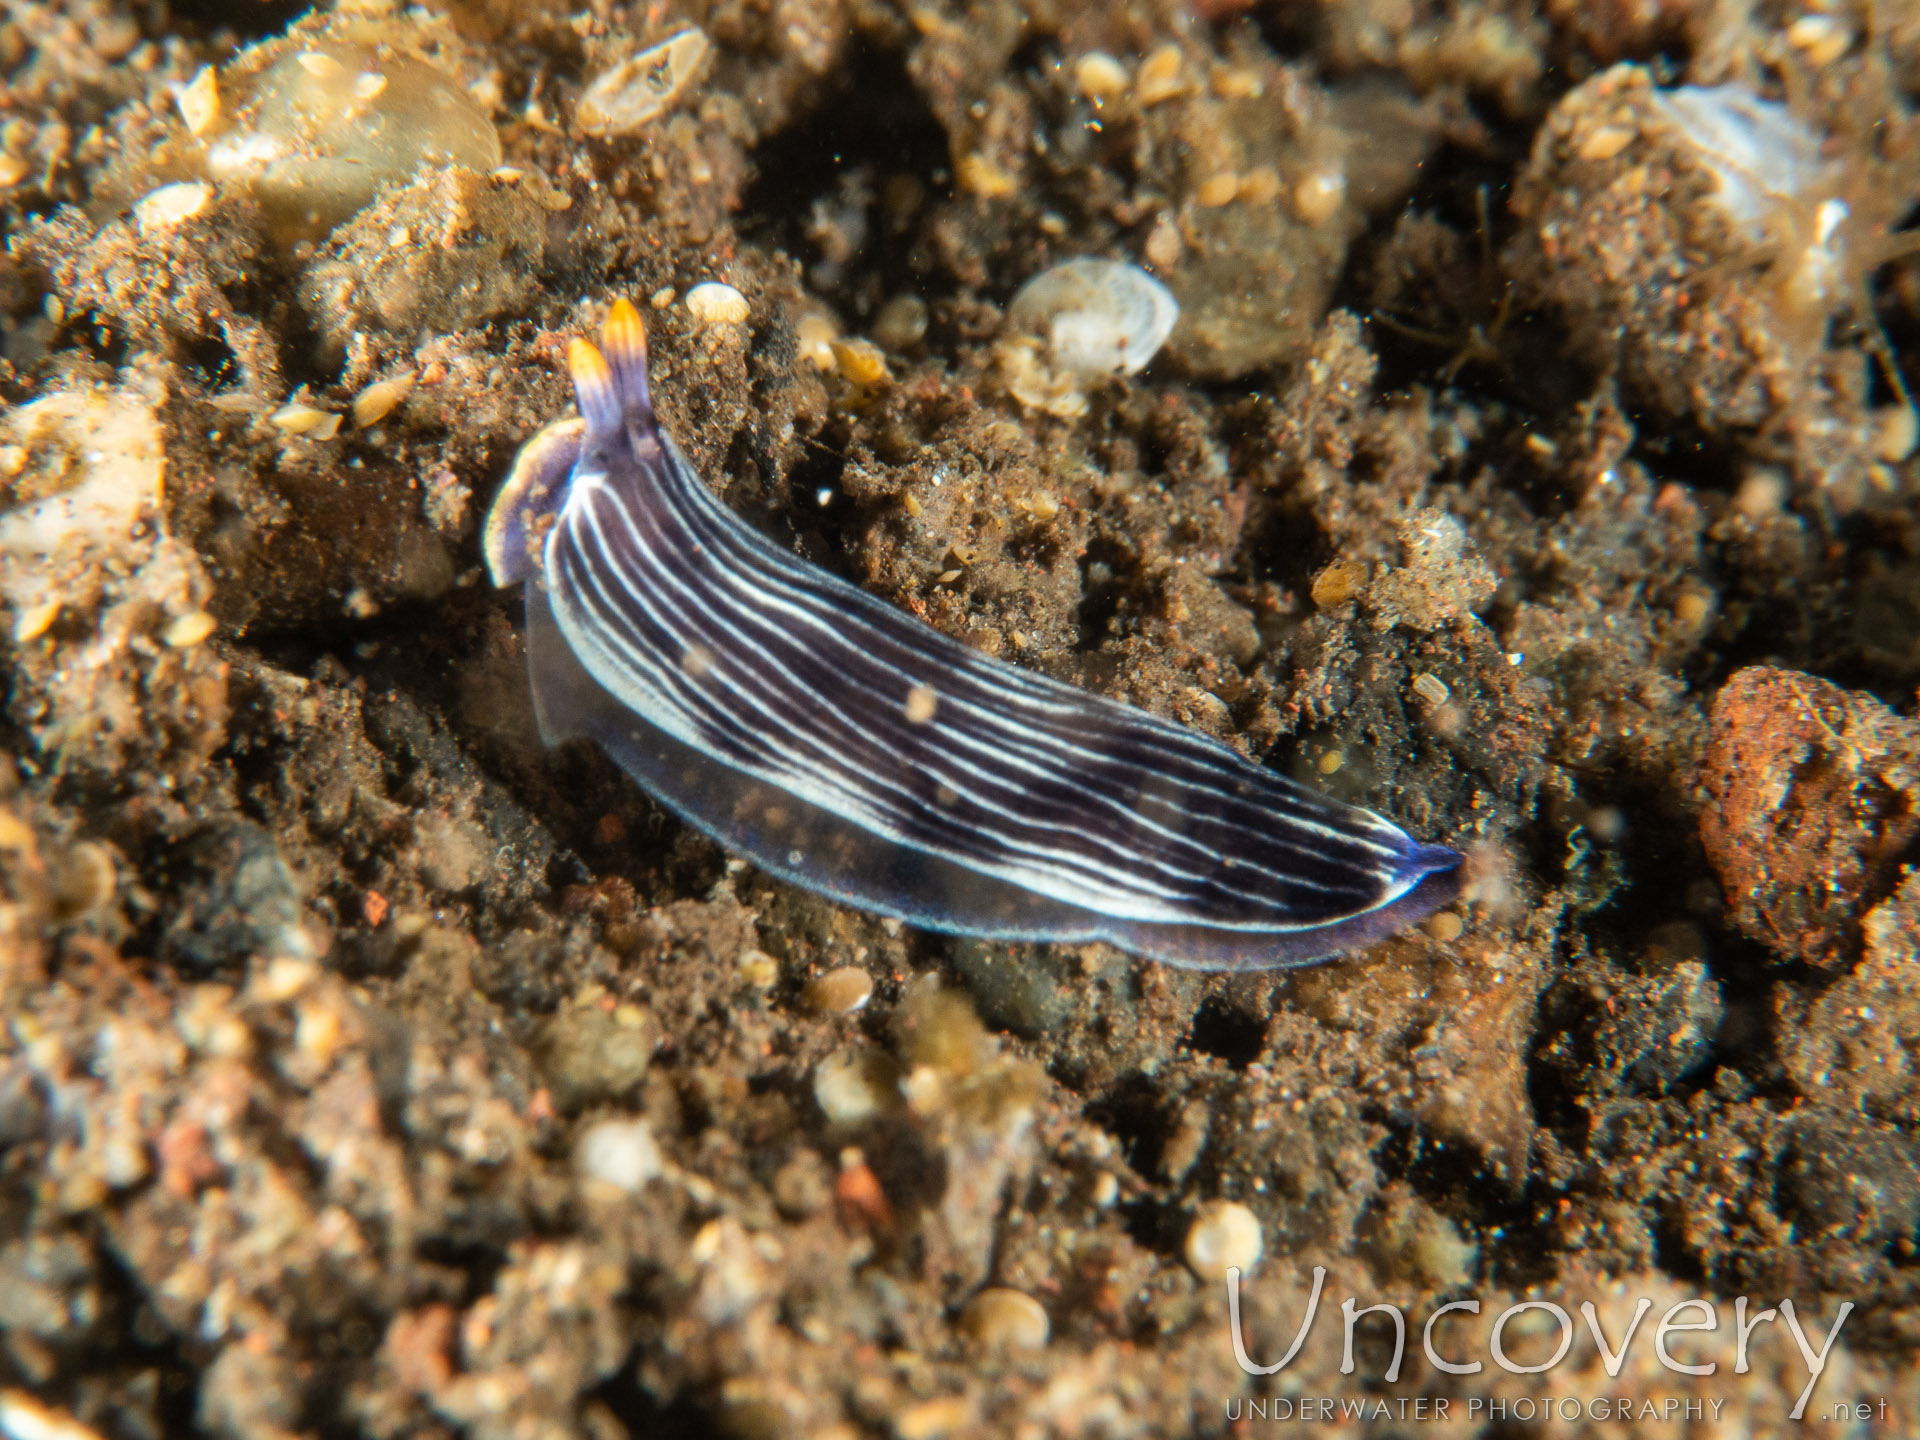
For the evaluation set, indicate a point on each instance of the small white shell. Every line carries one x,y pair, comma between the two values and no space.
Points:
712,303
1225,1235
1097,317
621,100
619,1153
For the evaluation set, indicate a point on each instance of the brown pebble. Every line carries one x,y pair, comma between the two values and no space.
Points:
1693,608
1218,190
1823,39
1318,197
932,1419
1260,185
83,881
381,398
1100,77
1896,430
1606,142
803,1186
1006,1319
1761,494
979,175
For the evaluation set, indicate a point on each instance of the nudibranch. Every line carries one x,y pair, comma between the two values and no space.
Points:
845,747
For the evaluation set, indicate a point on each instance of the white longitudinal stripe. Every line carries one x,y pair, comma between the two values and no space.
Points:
879,707
777,576
684,715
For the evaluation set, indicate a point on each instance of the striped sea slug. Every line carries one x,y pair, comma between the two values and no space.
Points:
845,747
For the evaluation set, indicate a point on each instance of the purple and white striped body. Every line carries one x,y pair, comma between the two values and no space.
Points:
846,747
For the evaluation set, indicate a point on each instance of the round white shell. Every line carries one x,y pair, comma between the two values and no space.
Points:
712,303
1098,317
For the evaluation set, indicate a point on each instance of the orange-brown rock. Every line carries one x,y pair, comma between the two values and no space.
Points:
1808,809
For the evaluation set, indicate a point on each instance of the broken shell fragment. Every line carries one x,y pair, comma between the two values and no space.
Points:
1431,688
35,621
1026,377
1160,76
621,100
1097,317
860,363
199,102
298,419
380,399
189,630
839,992
620,1154
1099,77
171,205
815,334
713,303
901,323
853,1086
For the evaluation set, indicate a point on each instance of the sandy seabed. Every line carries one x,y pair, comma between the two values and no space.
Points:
1530,462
